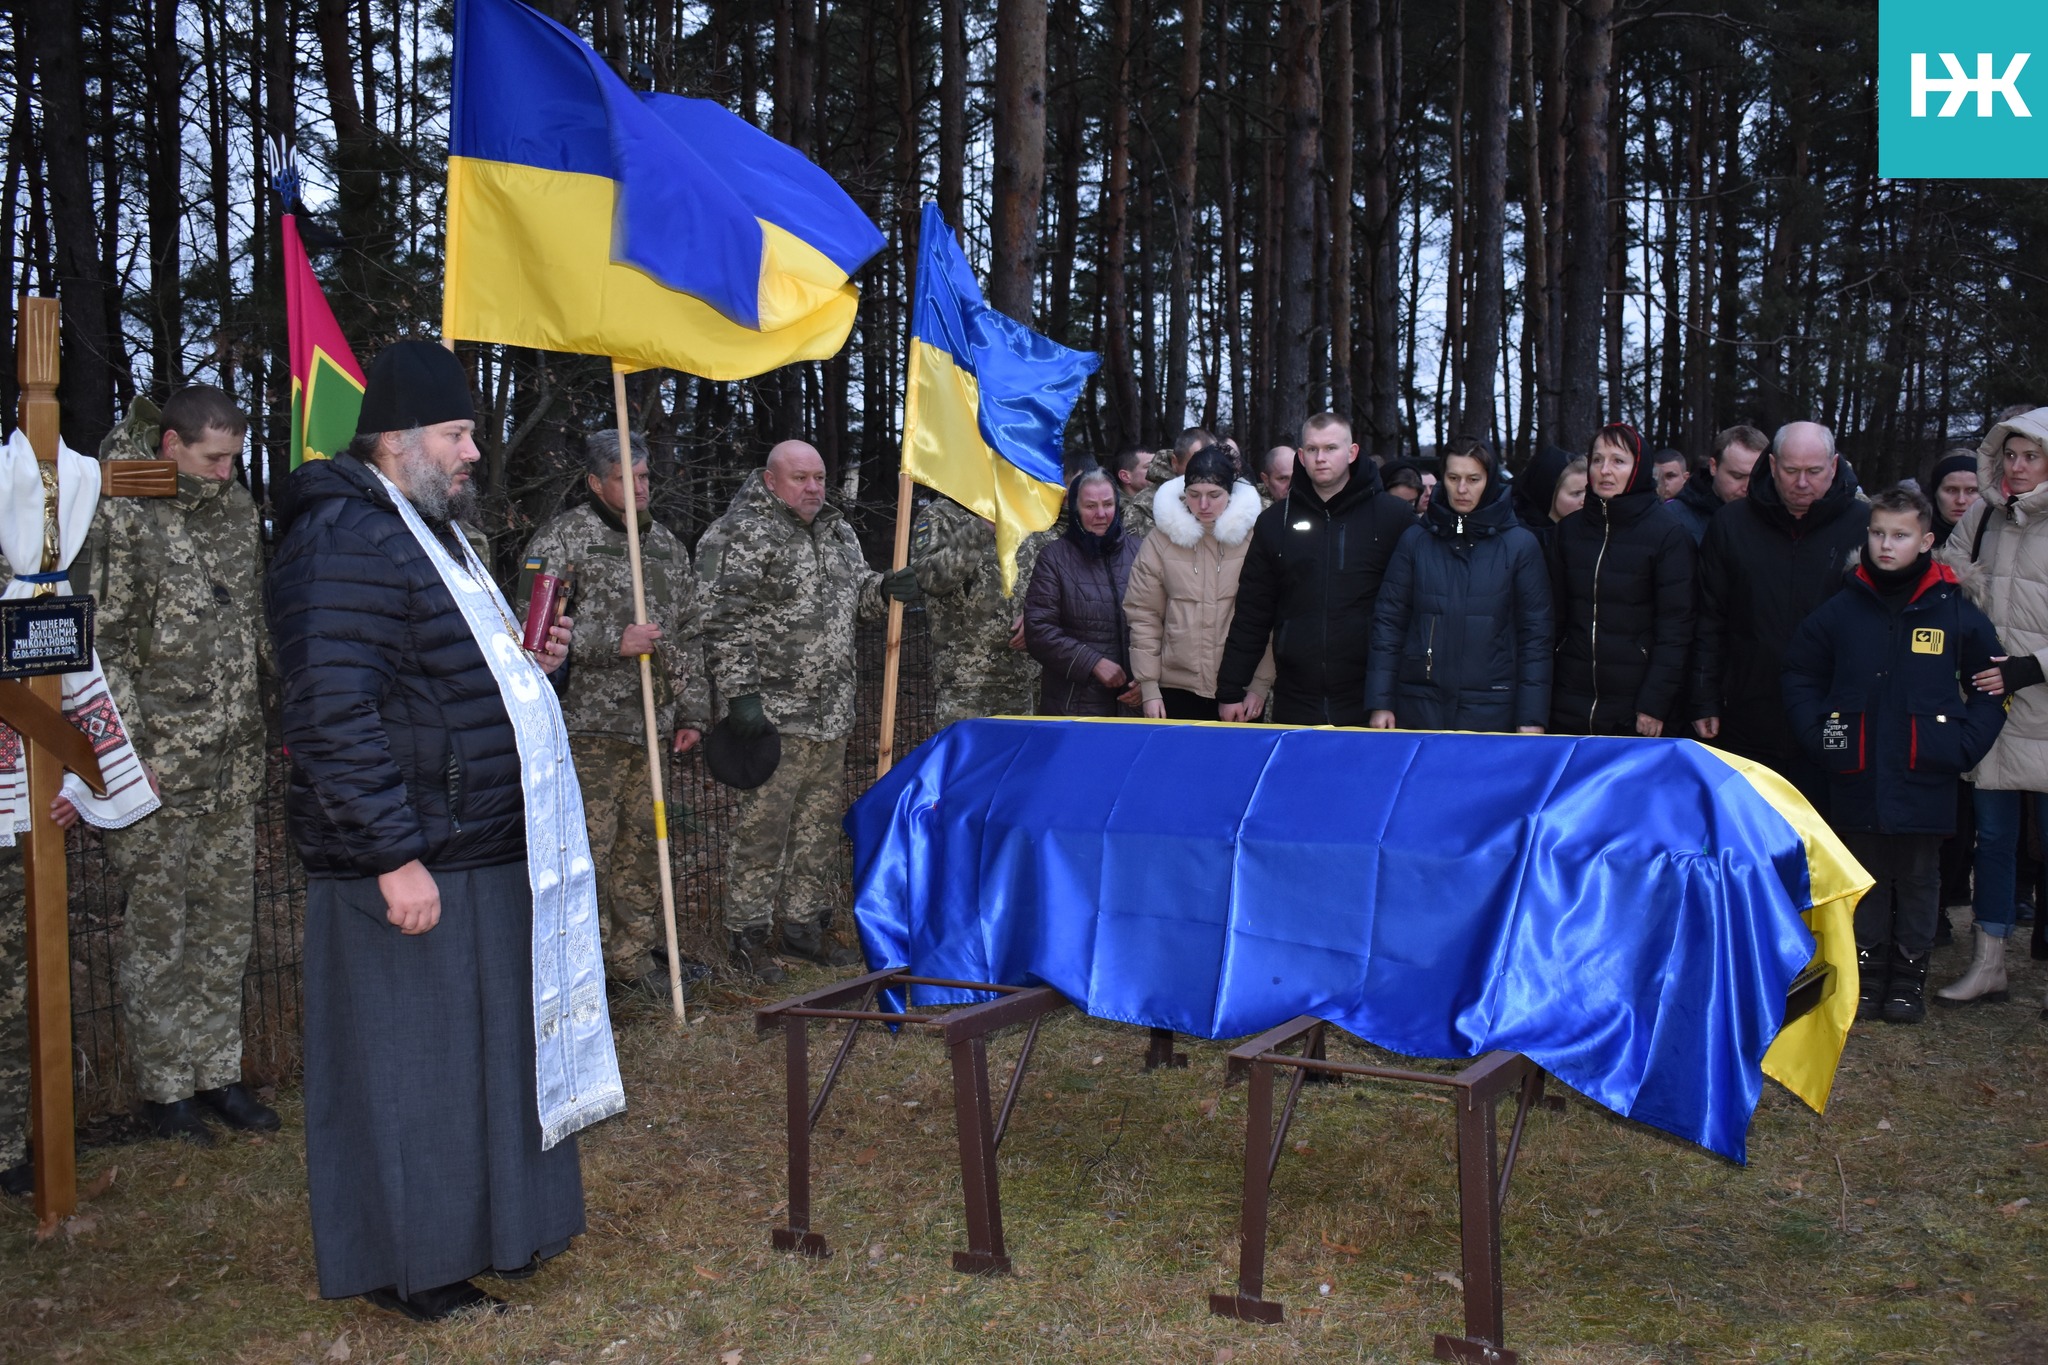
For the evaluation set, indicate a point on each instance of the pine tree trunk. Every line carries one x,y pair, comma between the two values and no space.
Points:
1231,304
952,110
1586,218
1342,156
1300,29
1116,333
165,162
1188,126
1379,97
1019,154
1541,379
1494,30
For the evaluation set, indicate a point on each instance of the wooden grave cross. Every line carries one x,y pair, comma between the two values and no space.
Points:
33,708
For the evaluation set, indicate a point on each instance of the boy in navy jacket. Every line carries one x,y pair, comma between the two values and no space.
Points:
1877,688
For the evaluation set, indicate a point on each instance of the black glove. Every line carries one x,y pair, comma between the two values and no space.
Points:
2021,670
746,717
901,585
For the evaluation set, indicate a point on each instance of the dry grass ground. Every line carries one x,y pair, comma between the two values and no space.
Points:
1906,1224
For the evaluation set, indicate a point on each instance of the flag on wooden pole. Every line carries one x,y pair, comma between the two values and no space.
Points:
327,383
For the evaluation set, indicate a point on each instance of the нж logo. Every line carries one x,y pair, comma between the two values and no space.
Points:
1956,85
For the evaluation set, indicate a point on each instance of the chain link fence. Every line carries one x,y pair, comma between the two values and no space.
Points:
270,991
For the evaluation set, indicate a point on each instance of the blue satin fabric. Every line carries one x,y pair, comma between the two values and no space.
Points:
695,180
1028,383
1625,912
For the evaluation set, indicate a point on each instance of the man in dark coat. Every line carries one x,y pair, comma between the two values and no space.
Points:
1726,478
408,799
1768,561
1310,582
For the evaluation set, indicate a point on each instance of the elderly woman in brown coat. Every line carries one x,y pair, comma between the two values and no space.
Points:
2000,552
1183,591
1073,611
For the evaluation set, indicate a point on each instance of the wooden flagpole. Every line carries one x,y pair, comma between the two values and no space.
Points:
892,658
668,886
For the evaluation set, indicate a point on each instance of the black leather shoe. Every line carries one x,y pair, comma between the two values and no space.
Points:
809,942
182,1119
435,1305
749,953
525,1272
238,1108
18,1182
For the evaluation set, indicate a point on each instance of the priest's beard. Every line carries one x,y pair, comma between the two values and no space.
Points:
430,488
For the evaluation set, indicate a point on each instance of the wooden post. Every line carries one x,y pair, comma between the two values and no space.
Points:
49,946
668,886
892,658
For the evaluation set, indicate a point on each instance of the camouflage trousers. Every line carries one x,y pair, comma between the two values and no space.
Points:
996,696
618,810
185,946
785,840
13,1011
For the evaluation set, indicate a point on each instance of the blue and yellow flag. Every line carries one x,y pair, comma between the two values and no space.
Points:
657,230
987,404
1627,913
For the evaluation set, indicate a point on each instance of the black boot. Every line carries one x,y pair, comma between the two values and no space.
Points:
809,942
19,1181
436,1304
240,1109
179,1119
749,953
1905,995
1872,968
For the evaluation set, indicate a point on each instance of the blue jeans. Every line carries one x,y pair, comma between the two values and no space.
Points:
1998,839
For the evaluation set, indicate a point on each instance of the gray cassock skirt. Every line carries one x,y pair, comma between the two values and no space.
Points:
423,1153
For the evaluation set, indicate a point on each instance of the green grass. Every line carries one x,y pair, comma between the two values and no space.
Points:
1883,1231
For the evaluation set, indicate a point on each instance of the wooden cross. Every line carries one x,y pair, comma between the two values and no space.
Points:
34,708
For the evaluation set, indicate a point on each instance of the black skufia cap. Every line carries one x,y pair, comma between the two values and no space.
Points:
414,384
738,762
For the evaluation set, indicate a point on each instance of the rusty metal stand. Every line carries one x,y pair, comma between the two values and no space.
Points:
965,1031
1159,1050
1483,1171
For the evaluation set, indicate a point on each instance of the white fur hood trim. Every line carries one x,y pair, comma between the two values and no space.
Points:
1172,517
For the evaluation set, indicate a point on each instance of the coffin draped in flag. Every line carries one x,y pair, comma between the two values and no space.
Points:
661,231
986,408
1627,913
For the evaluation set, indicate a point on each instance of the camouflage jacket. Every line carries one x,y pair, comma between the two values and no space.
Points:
783,598
1138,512
601,695
181,637
1160,469
954,553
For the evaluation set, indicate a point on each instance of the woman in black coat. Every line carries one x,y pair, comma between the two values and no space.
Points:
1461,634
1621,580
1073,611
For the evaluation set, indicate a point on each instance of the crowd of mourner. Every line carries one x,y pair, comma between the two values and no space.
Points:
1879,650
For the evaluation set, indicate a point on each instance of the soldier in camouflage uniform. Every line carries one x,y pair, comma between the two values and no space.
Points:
601,694
977,633
1134,492
180,636
786,581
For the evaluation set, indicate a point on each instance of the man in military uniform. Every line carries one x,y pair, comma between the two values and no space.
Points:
180,633
786,581
1134,491
977,633
601,697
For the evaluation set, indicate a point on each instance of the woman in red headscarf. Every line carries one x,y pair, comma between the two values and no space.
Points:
1621,582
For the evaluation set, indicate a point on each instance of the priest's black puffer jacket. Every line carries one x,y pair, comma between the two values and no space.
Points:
399,745
1622,589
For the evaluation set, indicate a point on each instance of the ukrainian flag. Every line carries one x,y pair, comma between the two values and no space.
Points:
986,408
657,230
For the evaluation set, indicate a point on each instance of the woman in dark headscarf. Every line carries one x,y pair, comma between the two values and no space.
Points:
1073,611
1537,504
1952,488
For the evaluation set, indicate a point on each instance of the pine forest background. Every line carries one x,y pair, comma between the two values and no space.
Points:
1505,218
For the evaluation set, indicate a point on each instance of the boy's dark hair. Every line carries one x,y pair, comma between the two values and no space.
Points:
1898,499
199,408
1400,475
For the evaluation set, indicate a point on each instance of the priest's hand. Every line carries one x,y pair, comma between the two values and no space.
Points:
64,813
411,900
555,652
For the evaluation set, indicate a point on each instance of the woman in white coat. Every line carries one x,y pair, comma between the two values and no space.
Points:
1183,590
2000,552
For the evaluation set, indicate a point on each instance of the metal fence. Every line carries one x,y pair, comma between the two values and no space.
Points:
270,990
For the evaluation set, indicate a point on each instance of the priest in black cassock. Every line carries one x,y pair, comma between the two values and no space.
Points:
455,1023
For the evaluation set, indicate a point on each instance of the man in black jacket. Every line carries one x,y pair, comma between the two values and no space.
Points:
1726,478
1768,561
1310,582
411,805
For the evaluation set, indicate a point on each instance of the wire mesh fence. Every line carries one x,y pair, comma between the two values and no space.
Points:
271,998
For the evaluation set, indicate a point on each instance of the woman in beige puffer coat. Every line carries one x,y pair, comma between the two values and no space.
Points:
1183,591
2000,552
